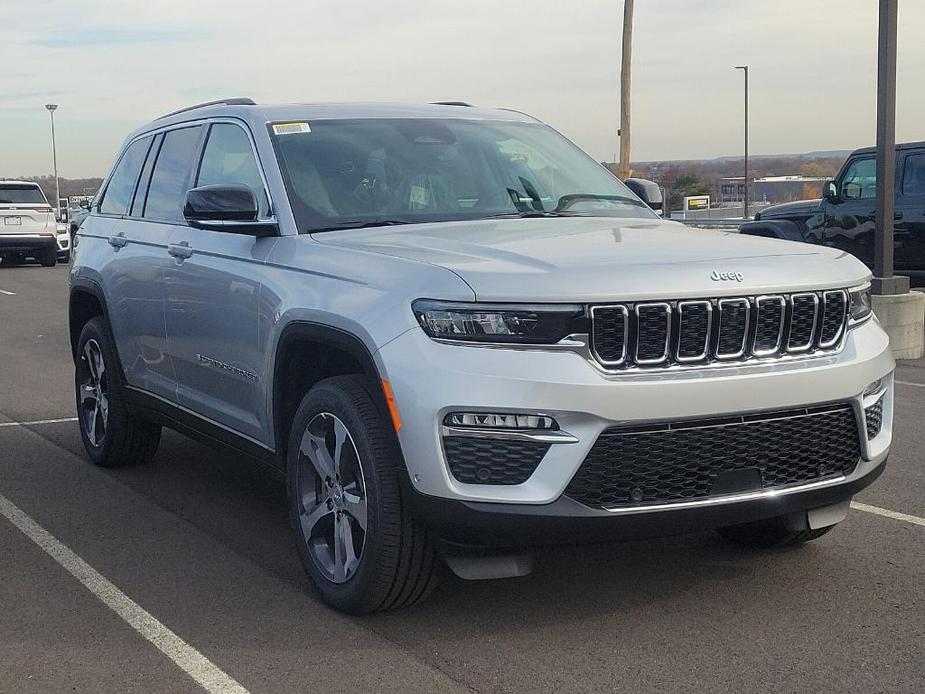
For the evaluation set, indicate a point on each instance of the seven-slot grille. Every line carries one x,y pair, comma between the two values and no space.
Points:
660,333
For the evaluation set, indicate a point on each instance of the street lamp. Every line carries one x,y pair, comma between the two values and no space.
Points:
745,69
54,153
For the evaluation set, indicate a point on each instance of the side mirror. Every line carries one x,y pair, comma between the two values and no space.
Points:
85,204
228,207
647,191
830,190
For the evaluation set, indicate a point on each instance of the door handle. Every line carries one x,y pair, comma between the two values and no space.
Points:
180,250
897,215
118,241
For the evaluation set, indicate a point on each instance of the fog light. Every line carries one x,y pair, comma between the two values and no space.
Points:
874,387
500,421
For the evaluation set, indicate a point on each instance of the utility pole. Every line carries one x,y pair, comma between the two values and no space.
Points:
884,281
625,71
54,153
745,211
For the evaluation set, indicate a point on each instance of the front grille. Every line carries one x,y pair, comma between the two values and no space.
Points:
735,329
492,461
686,461
874,417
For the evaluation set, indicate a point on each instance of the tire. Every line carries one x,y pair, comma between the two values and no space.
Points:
49,258
65,257
112,435
395,565
770,533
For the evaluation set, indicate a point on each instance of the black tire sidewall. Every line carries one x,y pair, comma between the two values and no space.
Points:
340,396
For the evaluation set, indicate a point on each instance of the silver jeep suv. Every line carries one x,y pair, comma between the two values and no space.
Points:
460,338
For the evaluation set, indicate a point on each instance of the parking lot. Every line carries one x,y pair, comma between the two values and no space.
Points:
193,571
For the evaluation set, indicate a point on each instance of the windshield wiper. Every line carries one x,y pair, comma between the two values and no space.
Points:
529,214
361,224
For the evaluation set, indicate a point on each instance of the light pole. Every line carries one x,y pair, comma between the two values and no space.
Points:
625,91
745,69
54,153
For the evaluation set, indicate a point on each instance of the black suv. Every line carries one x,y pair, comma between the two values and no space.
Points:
844,218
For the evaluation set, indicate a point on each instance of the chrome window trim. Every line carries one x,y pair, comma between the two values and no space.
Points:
667,309
706,346
844,319
812,333
626,325
748,314
782,302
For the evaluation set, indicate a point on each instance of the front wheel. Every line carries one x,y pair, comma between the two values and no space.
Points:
358,543
770,533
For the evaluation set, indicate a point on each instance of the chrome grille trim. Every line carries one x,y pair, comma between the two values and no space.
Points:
770,316
625,313
805,347
826,344
723,303
782,303
706,345
664,357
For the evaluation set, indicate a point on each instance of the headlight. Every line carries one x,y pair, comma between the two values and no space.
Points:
859,304
538,324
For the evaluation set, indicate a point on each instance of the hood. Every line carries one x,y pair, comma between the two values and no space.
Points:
791,209
599,259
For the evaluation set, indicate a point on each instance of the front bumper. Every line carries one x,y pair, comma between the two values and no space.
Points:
430,379
25,243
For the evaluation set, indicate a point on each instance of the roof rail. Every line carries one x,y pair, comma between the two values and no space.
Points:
452,103
234,101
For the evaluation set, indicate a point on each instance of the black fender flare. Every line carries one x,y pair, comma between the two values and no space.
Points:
774,229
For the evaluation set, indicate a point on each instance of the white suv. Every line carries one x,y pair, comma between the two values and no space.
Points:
28,227
459,337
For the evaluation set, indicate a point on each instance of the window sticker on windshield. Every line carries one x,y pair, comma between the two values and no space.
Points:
420,197
291,128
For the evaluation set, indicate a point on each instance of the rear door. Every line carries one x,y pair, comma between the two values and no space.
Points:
216,326
910,212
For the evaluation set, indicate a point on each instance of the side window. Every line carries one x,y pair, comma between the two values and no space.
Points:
121,188
141,190
860,180
171,175
229,158
914,175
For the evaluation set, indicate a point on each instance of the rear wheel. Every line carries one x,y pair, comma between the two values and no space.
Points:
770,533
357,541
49,258
112,436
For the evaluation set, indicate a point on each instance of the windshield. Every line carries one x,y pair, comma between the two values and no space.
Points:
353,173
17,193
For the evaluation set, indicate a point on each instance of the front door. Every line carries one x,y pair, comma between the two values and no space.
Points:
850,218
216,325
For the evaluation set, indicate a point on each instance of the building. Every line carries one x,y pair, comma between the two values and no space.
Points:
770,189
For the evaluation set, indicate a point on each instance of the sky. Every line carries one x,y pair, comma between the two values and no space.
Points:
113,65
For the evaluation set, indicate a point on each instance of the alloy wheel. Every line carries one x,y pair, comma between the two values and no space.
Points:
93,392
332,498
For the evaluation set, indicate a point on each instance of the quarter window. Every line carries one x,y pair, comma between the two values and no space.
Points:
860,181
229,158
121,186
171,175
914,175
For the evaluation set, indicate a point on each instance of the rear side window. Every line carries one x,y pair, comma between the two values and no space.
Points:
171,175
914,175
121,188
229,158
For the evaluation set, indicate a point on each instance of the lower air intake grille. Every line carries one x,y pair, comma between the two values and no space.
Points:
874,417
492,461
687,461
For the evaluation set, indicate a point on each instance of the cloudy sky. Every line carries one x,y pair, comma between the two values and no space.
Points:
115,64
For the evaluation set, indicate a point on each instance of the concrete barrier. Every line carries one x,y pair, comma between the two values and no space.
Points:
903,318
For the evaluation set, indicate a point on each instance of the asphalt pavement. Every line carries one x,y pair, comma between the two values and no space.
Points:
162,577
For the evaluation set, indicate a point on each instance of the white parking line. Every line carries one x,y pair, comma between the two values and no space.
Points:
38,421
910,383
192,662
887,513
4,291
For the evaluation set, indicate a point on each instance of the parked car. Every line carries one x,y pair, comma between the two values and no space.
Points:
28,227
845,217
77,210
63,237
459,337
